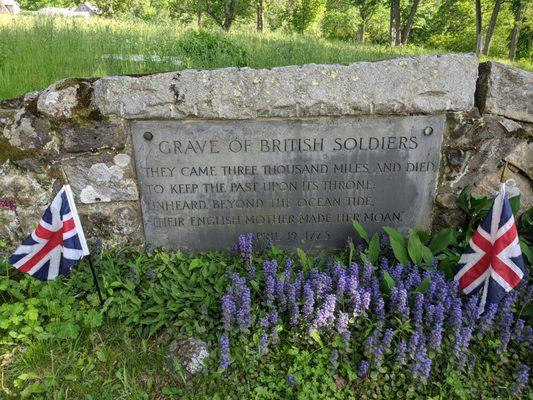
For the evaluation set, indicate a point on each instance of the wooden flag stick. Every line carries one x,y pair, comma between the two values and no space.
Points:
502,176
95,279
65,181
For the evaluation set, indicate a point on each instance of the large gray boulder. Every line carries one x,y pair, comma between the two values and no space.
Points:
505,91
423,85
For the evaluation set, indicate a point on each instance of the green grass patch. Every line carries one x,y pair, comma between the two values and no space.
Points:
36,51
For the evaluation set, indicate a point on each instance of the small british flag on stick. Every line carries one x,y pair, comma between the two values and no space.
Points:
492,261
57,244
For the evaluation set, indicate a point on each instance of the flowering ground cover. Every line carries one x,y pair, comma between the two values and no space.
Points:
278,325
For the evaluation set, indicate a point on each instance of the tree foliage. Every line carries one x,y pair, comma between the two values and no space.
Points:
447,24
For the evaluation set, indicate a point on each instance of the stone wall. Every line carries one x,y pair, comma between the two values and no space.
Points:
82,125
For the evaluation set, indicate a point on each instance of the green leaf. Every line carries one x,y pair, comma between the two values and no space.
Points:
360,230
414,247
316,337
373,249
397,243
527,251
462,199
515,203
303,258
387,282
196,263
423,286
441,240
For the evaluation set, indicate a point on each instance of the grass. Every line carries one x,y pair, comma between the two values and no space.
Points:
36,51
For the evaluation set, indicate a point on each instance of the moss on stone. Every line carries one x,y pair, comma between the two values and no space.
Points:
12,153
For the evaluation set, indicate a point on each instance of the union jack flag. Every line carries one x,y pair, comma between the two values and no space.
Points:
492,259
57,243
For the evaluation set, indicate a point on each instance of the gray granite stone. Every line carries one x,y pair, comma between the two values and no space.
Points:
505,91
101,178
425,85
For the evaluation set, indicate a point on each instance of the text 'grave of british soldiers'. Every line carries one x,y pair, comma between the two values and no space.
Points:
294,182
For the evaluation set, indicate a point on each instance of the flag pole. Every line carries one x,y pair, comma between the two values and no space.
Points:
65,181
95,279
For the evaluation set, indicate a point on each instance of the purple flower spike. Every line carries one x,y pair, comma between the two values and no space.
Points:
245,247
363,369
325,315
224,351
309,302
522,378
228,311
292,380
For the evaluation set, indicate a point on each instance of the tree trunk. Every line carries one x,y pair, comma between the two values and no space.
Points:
259,15
361,31
492,25
479,27
409,23
518,19
394,29
230,14
199,14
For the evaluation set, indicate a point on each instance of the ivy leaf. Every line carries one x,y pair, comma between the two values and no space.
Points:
397,243
360,230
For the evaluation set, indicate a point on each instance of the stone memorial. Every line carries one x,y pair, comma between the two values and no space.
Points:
191,159
297,183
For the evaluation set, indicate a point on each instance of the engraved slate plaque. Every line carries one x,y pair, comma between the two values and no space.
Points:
296,182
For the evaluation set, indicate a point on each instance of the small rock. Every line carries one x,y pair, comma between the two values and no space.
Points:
58,101
510,125
190,354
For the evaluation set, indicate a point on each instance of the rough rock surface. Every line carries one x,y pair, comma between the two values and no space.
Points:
82,125
505,91
474,153
103,177
91,137
190,354
427,84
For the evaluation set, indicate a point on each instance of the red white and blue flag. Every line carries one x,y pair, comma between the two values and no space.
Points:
57,244
492,260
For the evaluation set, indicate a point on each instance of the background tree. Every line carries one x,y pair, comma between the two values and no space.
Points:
224,12
366,9
259,17
519,7
479,27
305,12
491,26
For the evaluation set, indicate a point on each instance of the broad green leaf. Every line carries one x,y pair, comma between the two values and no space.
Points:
352,251
462,200
397,243
527,251
414,247
302,257
388,282
360,230
441,240
373,249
